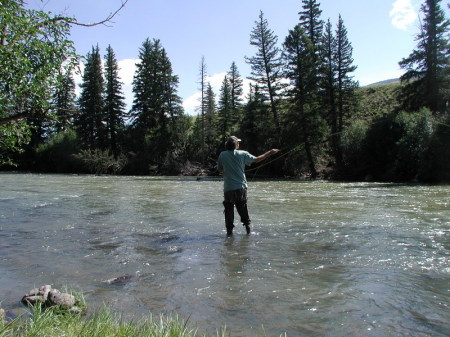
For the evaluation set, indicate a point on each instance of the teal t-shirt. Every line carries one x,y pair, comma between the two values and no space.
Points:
233,163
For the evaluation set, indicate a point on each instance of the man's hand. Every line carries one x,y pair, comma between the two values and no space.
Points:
266,155
274,151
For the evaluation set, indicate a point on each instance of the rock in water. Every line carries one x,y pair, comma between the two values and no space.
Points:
38,295
122,280
62,299
49,297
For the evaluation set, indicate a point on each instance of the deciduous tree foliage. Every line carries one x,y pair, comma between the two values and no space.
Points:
33,47
35,52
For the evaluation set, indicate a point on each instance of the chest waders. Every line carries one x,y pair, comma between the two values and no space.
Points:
236,198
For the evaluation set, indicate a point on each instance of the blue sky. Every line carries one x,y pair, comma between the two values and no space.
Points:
381,32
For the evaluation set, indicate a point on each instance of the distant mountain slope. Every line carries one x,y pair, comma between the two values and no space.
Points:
392,80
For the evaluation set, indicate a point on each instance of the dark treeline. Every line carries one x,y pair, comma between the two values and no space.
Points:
303,99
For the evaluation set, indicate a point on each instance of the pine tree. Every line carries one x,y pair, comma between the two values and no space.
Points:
345,86
156,106
65,102
235,91
203,102
266,65
114,100
311,22
256,126
305,124
329,76
224,114
428,66
210,117
91,120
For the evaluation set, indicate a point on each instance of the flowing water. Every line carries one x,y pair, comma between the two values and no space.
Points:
323,258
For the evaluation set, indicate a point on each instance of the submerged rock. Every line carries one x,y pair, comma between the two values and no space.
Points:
122,280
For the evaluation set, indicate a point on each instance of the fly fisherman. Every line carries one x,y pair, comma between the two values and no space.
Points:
232,163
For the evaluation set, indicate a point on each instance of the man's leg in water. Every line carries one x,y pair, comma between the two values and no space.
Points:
229,216
241,207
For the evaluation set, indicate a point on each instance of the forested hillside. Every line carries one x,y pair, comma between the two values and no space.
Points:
303,99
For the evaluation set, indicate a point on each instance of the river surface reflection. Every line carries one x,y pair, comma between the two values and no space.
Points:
323,259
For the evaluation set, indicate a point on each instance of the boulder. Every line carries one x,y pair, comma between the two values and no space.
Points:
49,297
38,295
64,300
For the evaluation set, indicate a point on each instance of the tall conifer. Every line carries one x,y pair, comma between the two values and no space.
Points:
235,90
311,21
203,105
90,121
225,119
427,75
266,65
114,100
156,106
65,102
329,76
344,70
305,123
210,117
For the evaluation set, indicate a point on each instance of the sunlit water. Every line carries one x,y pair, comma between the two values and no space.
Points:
323,259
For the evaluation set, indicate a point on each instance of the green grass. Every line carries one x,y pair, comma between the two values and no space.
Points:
58,322
103,323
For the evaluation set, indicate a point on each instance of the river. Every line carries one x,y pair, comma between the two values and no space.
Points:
323,258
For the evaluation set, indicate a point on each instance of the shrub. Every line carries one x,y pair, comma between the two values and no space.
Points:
99,161
57,154
353,149
416,131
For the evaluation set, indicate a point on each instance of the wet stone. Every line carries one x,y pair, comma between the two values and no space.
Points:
49,297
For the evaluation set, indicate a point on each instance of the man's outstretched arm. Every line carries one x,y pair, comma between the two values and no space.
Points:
266,155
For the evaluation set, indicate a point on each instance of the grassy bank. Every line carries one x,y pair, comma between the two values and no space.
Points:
103,323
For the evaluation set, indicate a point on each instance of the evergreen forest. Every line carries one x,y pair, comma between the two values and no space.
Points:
303,99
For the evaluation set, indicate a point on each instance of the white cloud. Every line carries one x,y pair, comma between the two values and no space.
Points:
191,103
127,68
216,81
403,14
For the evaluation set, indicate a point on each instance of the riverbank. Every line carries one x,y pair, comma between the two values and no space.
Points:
102,323
53,315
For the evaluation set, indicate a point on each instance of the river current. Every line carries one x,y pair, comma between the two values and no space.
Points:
323,258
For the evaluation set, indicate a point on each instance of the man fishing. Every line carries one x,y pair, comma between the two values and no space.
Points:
232,163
